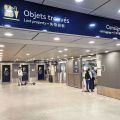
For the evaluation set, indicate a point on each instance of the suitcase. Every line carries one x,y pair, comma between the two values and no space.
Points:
50,78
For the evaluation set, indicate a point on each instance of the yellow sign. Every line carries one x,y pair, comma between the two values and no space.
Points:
11,11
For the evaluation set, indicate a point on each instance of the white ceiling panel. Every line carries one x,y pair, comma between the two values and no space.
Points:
33,51
10,50
48,37
86,40
35,1
109,10
104,8
84,7
17,34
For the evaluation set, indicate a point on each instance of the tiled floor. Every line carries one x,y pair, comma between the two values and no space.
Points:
47,101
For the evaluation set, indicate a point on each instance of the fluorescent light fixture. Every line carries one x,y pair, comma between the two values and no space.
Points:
79,1
87,51
2,46
65,49
115,38
8,34
118,44
27,54
60,51
106,51
91,42
57,39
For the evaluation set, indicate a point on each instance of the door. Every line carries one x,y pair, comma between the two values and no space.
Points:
41,74
6,73
25,72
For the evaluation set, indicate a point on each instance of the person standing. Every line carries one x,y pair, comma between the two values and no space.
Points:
88,78
93,77
20,74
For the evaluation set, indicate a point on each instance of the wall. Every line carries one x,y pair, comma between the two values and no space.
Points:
14,68
109,81
73,79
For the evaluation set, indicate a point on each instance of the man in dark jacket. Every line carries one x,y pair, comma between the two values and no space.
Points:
88,78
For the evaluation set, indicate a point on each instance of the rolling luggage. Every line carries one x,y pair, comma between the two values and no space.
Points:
50,78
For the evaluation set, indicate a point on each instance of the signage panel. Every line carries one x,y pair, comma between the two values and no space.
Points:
24,14
76,66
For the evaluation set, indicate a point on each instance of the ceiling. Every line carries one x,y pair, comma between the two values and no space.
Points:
104,8
40,45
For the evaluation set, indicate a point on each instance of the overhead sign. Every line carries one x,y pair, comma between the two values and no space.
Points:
24,14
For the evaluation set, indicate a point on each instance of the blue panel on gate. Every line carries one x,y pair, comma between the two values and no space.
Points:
23,14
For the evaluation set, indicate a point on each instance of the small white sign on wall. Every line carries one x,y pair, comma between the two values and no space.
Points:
33,70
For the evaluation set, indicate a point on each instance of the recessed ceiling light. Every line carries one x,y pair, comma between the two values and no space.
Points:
44,30
65,55
115,38
92,25
119,11
1,50
118,44
57,39
8,34
27,54
7,25
91,54
1,53
106,51
60,51
52,58
72,57
2,46
87,51
0,58
91,42
65,49
97,36
79,0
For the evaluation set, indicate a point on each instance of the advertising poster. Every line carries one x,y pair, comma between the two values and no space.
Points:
6,73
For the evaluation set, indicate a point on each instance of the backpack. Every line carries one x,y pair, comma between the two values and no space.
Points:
87,76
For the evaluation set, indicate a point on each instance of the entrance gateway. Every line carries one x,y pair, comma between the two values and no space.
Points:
35,17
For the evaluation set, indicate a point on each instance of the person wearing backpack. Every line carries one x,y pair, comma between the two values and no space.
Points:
88,78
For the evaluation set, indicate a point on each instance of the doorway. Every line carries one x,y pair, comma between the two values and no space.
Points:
41,73
6,73
25,73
